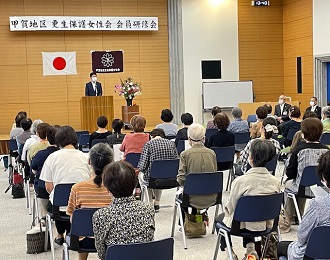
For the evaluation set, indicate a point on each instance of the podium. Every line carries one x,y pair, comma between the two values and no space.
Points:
128,112
92,107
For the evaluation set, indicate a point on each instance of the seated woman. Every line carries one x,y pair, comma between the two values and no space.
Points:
92,193
222,138
261,152
158,148
210,124
266,132
126,220
306,154
294,123
316,215
197,159
261,113
238,126
101,132
326,119
169,128
116,137
17,130
66,165
134,142
187,120
43,143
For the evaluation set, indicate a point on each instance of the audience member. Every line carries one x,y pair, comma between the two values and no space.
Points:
197,159
306,154
269,111
134,142
326,119
158,148
101,132
210,124
34,138
67,165
36,166
169,128
26,125
308,114
314,107
222,138
238,126
187,120
116,137
282,110
42,129
126,220
316,215
22,114
257,181
91,193
17,130
266,133
261,113
295,121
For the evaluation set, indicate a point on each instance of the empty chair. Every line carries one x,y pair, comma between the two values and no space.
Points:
83,132
83,142
251,119
133,159
318,243
242,138
210,132
251,209
155,250
325,139
198,184
96,141
81,226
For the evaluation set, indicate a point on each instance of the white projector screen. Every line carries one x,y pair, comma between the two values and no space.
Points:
226,93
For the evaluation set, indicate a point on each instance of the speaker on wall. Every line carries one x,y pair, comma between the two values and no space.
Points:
299,75
211,69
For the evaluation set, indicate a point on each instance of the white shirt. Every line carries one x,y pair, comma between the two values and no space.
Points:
30,141
65,166
313,108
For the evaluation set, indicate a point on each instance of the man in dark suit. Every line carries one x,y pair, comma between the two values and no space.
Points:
314,107
282,110
93,88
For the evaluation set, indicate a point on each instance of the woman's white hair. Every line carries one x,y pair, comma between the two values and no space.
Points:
196,132
35,125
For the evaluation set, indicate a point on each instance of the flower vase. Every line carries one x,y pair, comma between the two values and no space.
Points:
129,102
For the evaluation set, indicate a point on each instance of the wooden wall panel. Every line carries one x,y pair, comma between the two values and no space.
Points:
55,99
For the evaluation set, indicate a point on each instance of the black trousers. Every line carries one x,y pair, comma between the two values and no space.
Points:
61,226
282,248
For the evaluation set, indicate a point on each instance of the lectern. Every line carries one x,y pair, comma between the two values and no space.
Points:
92,107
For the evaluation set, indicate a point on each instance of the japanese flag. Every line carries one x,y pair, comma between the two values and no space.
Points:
59,63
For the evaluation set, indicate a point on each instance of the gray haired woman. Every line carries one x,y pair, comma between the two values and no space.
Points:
326,119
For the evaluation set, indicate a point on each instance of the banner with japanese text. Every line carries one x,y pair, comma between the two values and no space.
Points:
73,23
107,61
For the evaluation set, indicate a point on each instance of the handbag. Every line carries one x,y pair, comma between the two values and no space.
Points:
271,250
35,240
193,228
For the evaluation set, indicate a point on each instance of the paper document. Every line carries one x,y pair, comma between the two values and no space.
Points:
318,191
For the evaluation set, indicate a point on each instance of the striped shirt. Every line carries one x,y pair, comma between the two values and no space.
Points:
87,194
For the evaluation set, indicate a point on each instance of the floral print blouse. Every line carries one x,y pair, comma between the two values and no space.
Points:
125,221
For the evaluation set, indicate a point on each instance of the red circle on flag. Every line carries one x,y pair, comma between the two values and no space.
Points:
59,63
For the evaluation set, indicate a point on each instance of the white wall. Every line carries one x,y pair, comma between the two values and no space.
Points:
321,27
210,32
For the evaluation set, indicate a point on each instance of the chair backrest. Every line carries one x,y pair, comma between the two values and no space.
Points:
318,243
291,134
242,138
41,184
155,250
309,177
61,198
256,208
96,141
13,145
170,137
181,146
81,225
83,132
210,132
271,165
83,141
325,139
224,154
203,183
251,118
163,174
133,159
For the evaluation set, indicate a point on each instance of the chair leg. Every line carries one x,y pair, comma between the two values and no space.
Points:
182,225
297,208
265,246
215,215
228,180
279,236
65,252
230,250
217,247
50,231
174,219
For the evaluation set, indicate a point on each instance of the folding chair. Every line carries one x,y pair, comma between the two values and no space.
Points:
35,206
84,142
13,153
61,198
289,137
251,209
270,165
198,184
325,139
308,178
251,119
242,138
318,244
133,159
83,132
208,133
81,226
155,250
96,141
181,146
162,176
226,154
170,137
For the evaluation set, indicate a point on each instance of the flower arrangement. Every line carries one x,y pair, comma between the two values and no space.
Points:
128,88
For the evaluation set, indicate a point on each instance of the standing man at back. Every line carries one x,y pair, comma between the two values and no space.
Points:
93,88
